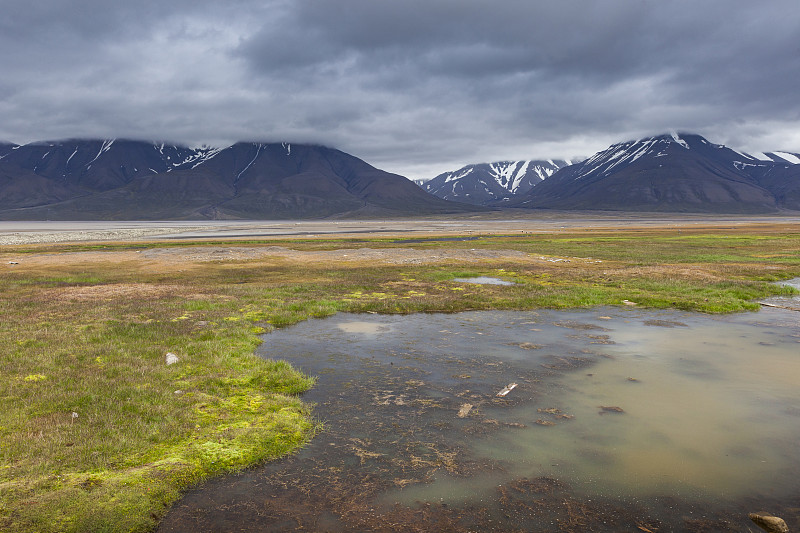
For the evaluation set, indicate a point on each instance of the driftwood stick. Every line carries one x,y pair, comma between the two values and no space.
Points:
779,306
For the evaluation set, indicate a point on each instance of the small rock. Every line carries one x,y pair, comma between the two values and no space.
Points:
541,422
628,302
529,346
549,410
769,523
611,409
172,359
464,411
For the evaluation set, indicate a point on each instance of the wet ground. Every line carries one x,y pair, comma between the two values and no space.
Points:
620,420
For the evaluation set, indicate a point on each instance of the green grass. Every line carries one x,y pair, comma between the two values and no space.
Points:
144,431
91,338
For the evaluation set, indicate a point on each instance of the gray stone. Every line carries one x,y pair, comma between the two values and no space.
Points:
769,523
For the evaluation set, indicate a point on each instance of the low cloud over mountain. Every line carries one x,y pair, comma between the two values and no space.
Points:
121,179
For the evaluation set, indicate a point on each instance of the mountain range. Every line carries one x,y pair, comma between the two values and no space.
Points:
672,173
124,179
137,180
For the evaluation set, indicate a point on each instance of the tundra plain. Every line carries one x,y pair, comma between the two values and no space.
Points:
98,433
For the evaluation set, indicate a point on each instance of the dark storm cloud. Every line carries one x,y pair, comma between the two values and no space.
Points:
413,86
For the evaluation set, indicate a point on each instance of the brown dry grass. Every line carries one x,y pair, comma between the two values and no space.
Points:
115,291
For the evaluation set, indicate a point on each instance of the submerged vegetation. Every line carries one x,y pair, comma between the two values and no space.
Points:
98,433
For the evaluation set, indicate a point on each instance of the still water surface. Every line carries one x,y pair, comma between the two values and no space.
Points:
622,419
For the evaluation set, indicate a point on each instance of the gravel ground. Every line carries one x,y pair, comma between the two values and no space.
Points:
41,237
18,233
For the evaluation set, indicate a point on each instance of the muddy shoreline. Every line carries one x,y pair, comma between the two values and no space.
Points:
394,433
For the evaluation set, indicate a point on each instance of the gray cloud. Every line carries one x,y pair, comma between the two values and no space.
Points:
415,87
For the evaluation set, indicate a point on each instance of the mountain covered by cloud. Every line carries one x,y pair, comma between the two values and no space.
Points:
124,179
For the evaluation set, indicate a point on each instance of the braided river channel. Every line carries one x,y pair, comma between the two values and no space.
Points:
621,420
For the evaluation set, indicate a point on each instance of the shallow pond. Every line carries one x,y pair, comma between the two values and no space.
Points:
621,419
484,280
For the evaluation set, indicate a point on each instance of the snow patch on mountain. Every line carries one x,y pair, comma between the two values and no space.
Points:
678,140
488,182
258,152
105,147
747,156
622,154
791,158
455,176
761,156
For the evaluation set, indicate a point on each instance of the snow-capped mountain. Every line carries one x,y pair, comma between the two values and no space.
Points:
673,172
487,183
124,179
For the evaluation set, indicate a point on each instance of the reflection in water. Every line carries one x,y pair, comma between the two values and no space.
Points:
707,411
363,327
622,420
484,280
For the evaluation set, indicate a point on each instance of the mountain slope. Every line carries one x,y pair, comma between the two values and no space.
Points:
486,183
6,148
21,188
672,173
98,165
784,183
138,180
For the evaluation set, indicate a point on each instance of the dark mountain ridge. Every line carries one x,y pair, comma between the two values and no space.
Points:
124,179
673,173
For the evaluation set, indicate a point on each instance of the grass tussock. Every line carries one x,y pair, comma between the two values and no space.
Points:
98,433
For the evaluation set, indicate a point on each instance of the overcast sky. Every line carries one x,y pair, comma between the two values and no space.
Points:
415,87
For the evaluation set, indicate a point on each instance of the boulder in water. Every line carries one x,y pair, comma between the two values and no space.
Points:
769,523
